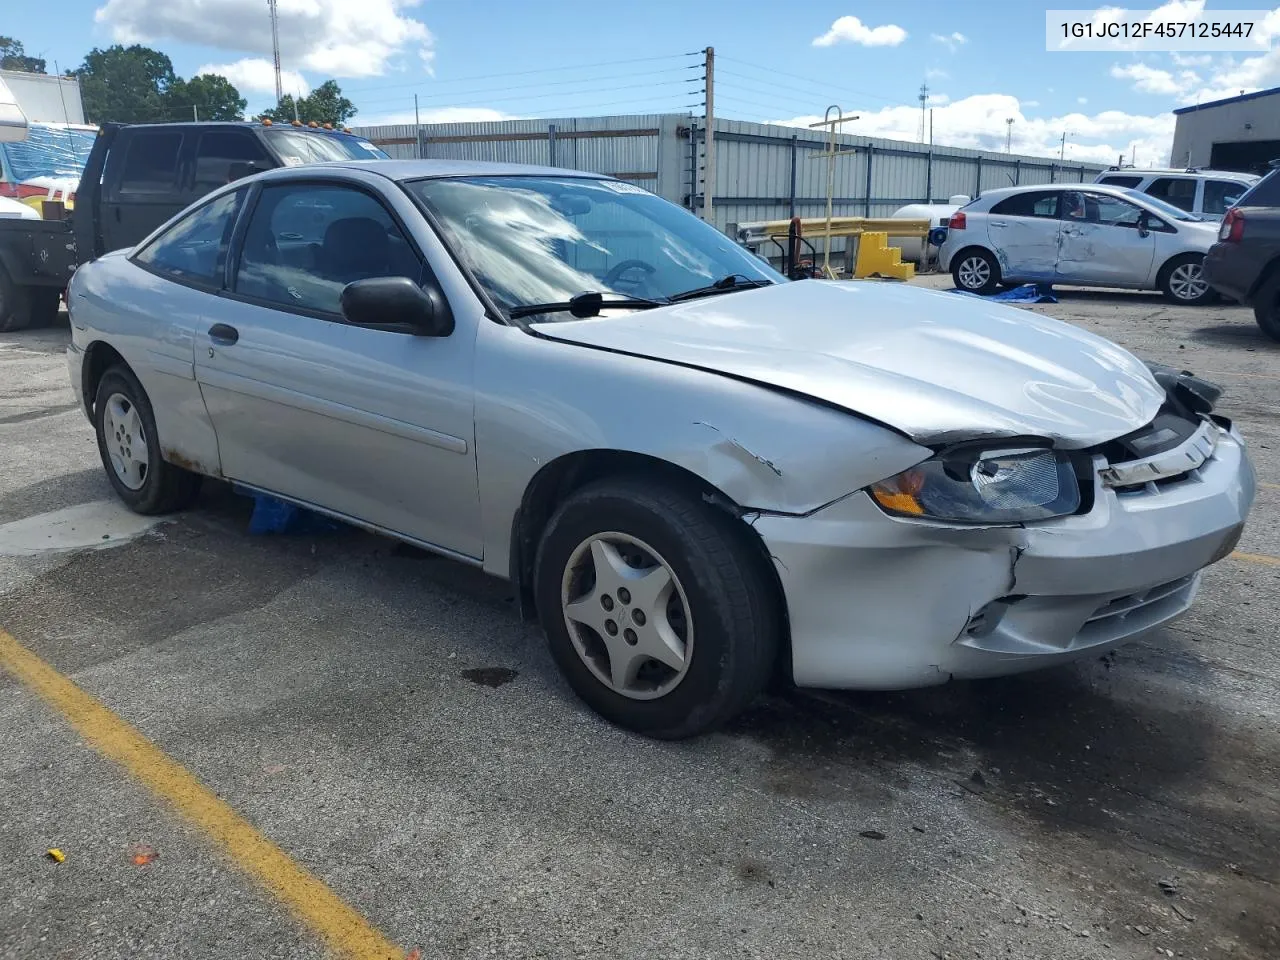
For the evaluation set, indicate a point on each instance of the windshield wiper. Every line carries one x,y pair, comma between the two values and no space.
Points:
584,305
734,281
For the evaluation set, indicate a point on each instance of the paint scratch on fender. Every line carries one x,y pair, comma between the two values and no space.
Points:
739,446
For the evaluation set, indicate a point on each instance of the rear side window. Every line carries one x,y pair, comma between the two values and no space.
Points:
195,248
151,166
1041,203
1219,195
1179,191
1121,181
218,152
1265,193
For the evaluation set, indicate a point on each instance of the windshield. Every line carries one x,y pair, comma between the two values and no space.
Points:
294,146
1164,209
49,150
536,240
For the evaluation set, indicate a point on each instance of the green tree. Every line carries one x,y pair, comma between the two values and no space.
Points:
325,104
14,57
126,84
214,98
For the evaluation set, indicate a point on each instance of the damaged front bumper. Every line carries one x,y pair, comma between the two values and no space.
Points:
877,602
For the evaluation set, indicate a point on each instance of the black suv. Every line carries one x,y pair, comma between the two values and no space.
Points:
1245,262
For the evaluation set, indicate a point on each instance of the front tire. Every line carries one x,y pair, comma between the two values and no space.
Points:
1266,306
656,609
130,448
976,271
1183,282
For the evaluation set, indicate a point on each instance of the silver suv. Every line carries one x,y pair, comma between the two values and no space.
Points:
1206,193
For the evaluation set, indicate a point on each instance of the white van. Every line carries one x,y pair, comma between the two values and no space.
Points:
1207,193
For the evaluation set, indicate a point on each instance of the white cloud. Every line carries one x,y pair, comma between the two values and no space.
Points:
933,73
256,75
1147,78
978,122
853,30
938,99
335,38
1081,100
953,41
1031,103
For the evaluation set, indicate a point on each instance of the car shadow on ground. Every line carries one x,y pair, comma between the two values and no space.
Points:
1242,334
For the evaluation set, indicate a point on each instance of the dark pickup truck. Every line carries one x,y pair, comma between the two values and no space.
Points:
1245,262
136,178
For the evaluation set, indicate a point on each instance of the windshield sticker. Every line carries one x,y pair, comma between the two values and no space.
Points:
292,161
621,186
368,146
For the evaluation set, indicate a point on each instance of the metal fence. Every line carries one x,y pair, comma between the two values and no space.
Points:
763,171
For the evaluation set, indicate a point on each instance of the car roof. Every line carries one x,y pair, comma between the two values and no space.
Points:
401,170
1001,192
1178,172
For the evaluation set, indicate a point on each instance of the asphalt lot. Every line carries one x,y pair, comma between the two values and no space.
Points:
339,694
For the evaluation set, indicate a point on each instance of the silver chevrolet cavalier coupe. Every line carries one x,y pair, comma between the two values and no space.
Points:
697,474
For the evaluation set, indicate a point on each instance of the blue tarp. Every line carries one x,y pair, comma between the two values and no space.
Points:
1027,293
272,515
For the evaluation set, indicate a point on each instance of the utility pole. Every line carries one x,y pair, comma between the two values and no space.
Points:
417,126
1008,135
275,48
931,126
195,113
1062,151
709,174
924,100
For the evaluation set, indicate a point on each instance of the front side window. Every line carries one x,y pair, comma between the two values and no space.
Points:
218,151
305,242
1102,209
1040,203
1179,191
195,248
536,240
151,165
1220,195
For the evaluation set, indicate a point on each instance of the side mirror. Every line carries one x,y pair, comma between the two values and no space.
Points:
397,303
1144,225
240,169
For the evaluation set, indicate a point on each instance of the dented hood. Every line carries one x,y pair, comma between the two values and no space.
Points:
937,366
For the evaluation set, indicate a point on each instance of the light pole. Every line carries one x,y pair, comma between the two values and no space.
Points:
1008,135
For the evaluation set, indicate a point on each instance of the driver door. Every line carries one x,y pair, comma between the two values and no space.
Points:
1101,242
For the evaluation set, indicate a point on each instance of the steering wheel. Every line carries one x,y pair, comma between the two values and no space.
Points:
615,273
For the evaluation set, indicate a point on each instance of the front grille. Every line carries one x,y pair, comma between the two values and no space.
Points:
1135,611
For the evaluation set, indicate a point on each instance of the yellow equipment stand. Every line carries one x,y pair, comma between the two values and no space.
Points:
877,259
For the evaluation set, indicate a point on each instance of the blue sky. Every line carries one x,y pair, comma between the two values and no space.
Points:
984,62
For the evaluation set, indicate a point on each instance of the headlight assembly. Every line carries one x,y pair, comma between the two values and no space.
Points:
974,486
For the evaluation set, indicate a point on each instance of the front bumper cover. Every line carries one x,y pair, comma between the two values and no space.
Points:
877,602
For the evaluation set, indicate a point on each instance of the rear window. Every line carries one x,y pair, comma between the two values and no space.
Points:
1121,181
1264,193
151,166
1219,195
1040,203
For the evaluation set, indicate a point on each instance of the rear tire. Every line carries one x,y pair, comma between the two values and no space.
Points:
130,448
15,307
976,271
719,615
1266,306
1182,281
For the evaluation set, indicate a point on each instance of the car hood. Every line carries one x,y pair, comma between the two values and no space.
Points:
939,367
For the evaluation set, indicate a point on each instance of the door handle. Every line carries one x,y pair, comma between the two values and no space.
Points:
996,223
224,334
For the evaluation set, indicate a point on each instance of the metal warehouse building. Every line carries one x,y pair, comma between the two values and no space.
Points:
762,172
1240,133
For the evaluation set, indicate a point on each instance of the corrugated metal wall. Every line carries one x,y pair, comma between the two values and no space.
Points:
756,164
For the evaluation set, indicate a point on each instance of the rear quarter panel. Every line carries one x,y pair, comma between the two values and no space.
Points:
151,322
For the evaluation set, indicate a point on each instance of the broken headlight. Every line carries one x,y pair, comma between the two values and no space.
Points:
1005,486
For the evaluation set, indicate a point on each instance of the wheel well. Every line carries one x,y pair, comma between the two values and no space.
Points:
99,357
559,479
1264,275
972,248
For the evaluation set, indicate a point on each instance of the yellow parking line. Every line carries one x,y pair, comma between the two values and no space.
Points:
1256,558
1269,486
345,931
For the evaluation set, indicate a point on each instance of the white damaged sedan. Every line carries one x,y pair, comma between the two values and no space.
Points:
696,474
